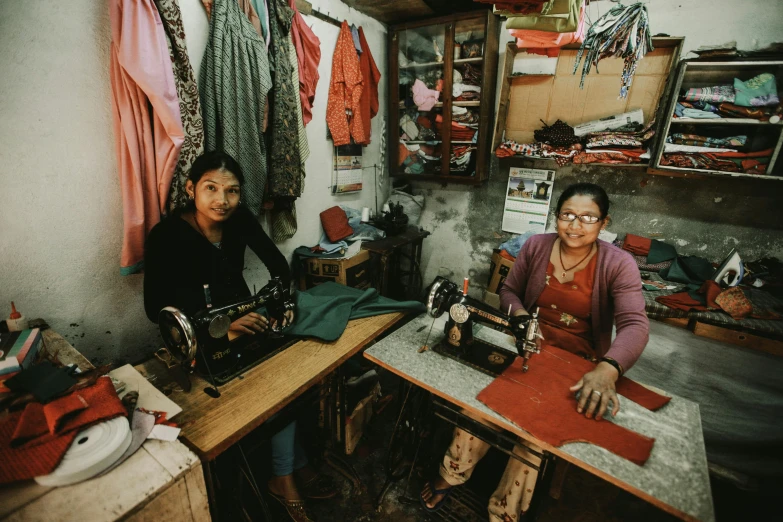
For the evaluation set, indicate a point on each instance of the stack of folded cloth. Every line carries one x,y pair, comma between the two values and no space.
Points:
460,158
626,144
470,74
417,127
755,99
465,116
419,158
694,151
459,131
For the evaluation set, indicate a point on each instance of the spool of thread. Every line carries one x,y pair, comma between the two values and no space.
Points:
457,51
366,215
16,321
386,208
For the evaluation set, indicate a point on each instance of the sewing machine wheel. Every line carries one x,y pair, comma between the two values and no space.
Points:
178,334
435,299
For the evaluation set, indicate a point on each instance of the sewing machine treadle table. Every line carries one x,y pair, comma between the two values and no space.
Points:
674,479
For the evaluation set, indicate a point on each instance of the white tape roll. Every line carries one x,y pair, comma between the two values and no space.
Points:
92,451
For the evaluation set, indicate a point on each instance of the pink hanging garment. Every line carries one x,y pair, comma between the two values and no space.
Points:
147,126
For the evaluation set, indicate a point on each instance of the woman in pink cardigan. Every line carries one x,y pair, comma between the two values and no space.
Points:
582,287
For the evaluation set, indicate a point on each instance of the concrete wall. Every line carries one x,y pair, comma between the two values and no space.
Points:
705,218
61,211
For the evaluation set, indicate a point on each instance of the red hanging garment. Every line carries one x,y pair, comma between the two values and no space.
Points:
544,406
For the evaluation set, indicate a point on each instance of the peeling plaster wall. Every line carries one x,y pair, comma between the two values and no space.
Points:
705,218
61,212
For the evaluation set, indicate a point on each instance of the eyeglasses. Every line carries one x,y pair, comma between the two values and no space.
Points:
584,218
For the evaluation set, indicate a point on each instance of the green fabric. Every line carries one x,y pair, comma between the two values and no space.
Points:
659,252
261,11
324,311
553,24
234,83
691,270
756,92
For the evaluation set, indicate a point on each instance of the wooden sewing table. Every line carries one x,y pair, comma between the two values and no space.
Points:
675,477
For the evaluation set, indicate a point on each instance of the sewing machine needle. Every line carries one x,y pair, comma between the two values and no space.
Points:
424,347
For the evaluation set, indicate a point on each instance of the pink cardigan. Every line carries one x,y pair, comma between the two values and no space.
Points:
617,296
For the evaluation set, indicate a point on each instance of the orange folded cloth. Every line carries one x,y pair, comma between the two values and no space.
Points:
637,245
540,402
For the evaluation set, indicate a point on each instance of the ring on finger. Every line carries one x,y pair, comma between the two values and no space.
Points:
597,392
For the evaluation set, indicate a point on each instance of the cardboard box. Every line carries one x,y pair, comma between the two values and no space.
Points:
353,272
498,271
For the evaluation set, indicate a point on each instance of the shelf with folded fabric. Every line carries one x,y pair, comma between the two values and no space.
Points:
722,121
743,93
437,104
419,65
420,142
470,103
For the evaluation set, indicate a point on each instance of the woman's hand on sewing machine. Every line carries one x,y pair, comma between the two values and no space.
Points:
597,389
288,319
248,324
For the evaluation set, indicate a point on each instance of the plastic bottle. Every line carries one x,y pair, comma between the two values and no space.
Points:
16,321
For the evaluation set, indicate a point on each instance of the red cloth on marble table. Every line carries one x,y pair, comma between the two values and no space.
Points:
33,441
545,407
637,245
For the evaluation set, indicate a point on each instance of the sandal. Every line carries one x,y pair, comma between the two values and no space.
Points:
296,509
320,487
445,492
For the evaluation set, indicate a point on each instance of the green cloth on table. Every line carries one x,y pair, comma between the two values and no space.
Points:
660,252
324,311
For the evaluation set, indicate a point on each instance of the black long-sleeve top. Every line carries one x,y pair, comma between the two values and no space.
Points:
179,261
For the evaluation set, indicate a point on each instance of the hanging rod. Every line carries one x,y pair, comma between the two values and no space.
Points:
306,8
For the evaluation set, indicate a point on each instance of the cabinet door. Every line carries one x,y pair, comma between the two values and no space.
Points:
469,48
421,69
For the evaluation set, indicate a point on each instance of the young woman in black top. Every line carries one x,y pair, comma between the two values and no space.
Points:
204,243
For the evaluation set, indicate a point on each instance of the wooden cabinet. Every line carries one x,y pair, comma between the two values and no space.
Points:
442,75
760,137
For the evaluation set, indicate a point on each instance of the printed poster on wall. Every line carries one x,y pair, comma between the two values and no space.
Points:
528,196
347,175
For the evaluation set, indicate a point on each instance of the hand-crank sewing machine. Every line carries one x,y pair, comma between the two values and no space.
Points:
201,342
460,344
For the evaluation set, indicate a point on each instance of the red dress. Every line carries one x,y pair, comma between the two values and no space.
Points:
564,313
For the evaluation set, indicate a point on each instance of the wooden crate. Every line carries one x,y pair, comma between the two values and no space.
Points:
353,272
498,271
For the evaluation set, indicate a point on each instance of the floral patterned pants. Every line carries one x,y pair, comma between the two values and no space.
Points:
513,494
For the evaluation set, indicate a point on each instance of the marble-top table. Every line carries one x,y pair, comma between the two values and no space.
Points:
674,478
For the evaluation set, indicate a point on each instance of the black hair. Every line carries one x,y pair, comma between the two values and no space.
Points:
215,160
596,193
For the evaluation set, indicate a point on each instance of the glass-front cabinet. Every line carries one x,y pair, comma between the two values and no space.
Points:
442,88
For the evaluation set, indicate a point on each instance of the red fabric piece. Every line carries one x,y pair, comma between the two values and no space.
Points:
27,446
368,103
29,461
733,302
546,408
507,255
637,245
335,224
308,56
683,301
63,414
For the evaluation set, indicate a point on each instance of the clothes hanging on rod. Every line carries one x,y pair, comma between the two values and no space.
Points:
308,54
345,91
189,105
235,81
368,103
355,36
262,11
147,125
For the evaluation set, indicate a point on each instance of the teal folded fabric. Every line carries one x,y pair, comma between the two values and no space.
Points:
691,270
660,252
324,311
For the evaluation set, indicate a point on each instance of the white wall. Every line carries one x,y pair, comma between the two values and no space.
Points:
61,210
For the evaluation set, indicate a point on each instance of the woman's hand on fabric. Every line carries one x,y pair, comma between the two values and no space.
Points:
288,319
597,389
248,324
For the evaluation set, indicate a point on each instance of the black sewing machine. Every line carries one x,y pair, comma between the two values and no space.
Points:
460,344
201,343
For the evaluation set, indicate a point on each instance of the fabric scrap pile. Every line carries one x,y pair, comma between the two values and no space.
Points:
623,32
623,145
756,99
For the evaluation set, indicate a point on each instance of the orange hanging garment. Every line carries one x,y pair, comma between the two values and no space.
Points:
343,108
368,104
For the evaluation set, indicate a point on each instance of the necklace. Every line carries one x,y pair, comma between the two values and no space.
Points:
560,254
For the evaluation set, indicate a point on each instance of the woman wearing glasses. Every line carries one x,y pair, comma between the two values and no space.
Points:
582,287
